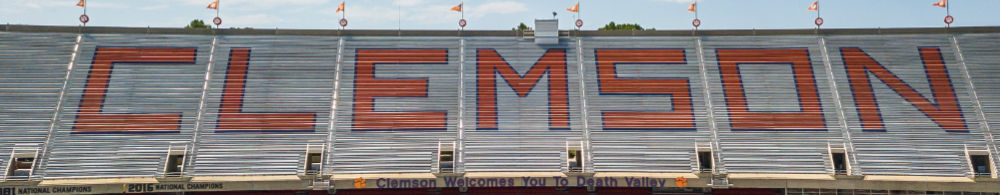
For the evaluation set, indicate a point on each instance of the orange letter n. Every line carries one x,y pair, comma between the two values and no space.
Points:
944,111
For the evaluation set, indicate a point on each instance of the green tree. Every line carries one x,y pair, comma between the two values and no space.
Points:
197,24
625,27
521,27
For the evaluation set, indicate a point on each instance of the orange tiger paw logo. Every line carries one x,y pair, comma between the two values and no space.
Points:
681,182
360,183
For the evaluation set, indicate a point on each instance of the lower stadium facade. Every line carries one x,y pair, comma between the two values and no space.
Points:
101,110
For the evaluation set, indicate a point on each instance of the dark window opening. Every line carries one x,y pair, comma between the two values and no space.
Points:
446,161
313,163
20,168
981,165
574,158
175,165
705,161
839,163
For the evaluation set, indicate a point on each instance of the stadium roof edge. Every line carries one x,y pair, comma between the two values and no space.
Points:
474,33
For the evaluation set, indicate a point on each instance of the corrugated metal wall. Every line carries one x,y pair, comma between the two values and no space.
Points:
269,97
253,105
655,142
32,72
906,130
531,123
140,75
396,71
979,54
777,82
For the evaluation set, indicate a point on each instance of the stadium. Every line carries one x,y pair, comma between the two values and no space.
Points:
112,110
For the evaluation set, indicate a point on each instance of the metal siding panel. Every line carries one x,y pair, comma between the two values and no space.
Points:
32,69
524,141
133,88
396,151
912,143
652,150
285,74
770,88
981,53
296,74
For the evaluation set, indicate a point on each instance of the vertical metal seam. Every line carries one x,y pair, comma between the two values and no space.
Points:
54,122
841,116
459,147
199,118
584,115
332,129
987,132
703,69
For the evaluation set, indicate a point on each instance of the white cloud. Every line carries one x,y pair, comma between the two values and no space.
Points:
256,4
34,4
371,13
408,2
434,15
424,12
105,5
21,4
497,7
154,7
251,20
27,6
679,1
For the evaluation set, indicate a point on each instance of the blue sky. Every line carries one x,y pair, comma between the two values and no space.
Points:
503,14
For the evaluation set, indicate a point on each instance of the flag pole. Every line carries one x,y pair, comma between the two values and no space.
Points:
399,20
85,13
460,8
696,14
217,11
83,17
463,14
818,15
947,11
578,16
343,13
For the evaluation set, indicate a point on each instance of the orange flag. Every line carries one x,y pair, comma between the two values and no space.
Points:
457,8
82,3
693,7
214,5
814,6
575,8
340,7
942,3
